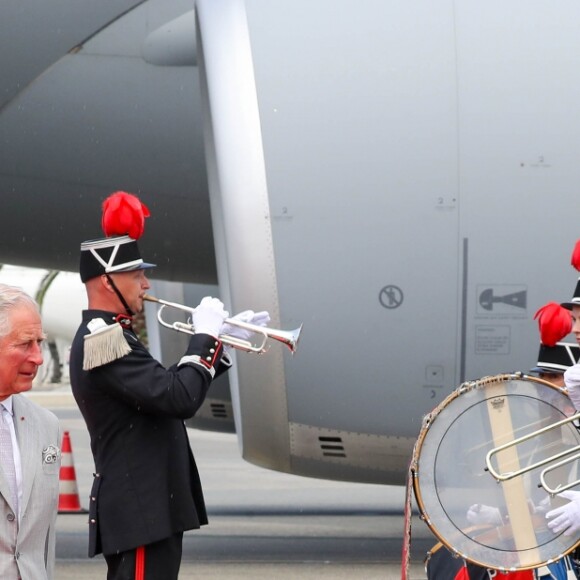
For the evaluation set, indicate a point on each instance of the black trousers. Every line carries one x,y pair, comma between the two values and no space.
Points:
158,561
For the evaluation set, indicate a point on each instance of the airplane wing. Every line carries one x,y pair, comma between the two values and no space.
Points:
82,114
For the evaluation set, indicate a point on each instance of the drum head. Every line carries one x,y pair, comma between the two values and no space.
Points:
496,524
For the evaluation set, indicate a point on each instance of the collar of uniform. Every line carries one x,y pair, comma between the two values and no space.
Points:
124,320
109,317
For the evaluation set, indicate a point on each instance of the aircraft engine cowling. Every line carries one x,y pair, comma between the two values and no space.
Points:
250,235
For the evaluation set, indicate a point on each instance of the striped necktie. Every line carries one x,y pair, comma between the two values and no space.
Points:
7,457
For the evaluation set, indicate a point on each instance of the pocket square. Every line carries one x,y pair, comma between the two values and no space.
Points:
50,454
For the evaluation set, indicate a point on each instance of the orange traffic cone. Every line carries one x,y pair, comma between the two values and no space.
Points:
68,499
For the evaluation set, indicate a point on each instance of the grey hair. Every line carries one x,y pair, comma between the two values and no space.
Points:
11,297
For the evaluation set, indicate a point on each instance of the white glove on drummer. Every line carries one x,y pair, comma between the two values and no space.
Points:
209,316
249,316
567,517
572,382
478,514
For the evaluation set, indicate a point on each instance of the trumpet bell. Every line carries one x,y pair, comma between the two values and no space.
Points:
288,337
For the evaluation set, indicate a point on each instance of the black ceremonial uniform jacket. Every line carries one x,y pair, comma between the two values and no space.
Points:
146,485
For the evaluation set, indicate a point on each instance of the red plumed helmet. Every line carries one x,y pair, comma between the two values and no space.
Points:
124,214
555,323
575,261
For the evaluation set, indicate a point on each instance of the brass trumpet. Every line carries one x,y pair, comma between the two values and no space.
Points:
506,476
288,337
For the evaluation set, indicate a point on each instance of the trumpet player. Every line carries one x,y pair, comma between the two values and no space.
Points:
146,490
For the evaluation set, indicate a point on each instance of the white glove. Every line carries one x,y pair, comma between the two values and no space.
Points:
567,517
484,514
572,382
209,316
249,316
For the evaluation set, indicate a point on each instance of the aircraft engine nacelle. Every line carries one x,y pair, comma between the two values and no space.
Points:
366,162
257,248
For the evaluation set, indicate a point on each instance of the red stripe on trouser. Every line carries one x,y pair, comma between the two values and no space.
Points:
140,563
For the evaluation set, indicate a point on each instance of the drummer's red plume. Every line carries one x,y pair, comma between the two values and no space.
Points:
554,322
575,261
124,214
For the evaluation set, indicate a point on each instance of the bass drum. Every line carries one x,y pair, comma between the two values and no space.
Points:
500,525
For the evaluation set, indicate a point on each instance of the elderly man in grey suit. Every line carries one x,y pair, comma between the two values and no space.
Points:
29,452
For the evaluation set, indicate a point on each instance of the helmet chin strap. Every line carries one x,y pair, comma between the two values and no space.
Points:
119,295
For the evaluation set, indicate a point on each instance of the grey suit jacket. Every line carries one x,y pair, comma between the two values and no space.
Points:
27,550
